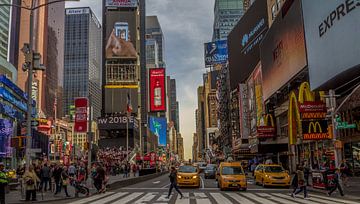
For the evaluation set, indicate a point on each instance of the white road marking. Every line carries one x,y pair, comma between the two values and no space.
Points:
202,183
220,198
257,198
167,185
335,199
92,198
163,198
156,182
240,198
184,200
201,195
127,198
277,199
148,197
201,198
321,200
297,200
110,198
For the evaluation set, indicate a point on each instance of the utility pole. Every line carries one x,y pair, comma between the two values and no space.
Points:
332,98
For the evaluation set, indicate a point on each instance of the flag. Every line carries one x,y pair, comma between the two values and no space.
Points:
129,106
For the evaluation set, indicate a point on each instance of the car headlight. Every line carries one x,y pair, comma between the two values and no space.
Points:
179,176
267,176
194,177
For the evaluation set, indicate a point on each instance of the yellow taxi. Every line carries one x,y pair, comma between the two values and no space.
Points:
271,175
231,175
188,175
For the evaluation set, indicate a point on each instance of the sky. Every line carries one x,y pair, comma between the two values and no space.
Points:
187,25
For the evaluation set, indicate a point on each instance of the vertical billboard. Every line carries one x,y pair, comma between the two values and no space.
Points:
120,35
121,3
6,131
283,49
81,108
158,126
260,108
332,41
216,53
157,89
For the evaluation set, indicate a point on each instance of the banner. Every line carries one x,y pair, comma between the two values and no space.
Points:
157,89
158,127
121,3
81,106
315,130
6,131
312,110
216,52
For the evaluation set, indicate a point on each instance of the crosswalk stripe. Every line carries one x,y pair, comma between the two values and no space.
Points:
128,198
220,198
335,199
297,200
163,198
201,195
240,199
92,198
185,200
257,198
110,198
148,197
277,199
322,200
201,198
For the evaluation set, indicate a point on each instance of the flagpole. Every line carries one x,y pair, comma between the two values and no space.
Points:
127,138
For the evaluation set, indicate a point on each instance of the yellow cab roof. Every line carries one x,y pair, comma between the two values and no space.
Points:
230,164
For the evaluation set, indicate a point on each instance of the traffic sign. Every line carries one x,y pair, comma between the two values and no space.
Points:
34,123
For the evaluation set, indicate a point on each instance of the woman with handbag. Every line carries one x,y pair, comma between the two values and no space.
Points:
65,180
301,183
31,181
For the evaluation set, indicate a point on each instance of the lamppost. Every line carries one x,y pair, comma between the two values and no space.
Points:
32,63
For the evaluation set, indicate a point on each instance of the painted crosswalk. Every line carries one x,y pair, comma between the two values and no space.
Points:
208,197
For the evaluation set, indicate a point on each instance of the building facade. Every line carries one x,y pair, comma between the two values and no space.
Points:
82,59
152,55
154,31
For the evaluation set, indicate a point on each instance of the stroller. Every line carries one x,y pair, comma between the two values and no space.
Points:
79,187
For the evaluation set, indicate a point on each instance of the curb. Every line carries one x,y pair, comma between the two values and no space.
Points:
115,185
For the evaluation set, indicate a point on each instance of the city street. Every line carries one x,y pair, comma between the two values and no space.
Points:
155,191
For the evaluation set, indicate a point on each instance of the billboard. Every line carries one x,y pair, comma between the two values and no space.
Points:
244,42
81,108
315,130
121,3
6,131
117,122
158,127
120,35
157,89
216,52
332,40
283,50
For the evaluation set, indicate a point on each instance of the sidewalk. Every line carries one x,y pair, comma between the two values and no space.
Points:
16,197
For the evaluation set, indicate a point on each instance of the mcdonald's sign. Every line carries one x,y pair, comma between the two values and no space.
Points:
312,110
315,130
268,130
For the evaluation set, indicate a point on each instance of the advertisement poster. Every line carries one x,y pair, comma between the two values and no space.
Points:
6,131
120,34
81,106
121,3
216,52
260,109
158,127
157,89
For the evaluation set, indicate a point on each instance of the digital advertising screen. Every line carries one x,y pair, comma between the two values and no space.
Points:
157,90
6,131
158,127
216,52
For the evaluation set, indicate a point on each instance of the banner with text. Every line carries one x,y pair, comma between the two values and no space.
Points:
81,106
157,89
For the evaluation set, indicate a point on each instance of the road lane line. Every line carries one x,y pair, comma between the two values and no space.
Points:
297,200
92,198
110,198
167,185
156,182
184,200
202,182
240,198
147,198
257,198
277,199
334,199
220,198
128,198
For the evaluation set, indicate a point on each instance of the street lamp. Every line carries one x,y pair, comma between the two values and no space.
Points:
31,63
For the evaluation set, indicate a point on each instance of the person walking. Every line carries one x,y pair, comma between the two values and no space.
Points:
3,183
31,182
45,177
345,173
294,182
72,170
57,178
173,183
337,185
301,183
65,180
99,178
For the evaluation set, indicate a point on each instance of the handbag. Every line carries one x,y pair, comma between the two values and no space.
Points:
65,182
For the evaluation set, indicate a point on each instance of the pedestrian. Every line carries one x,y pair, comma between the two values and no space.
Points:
31,182
306,173
99,178
57,178
337,185
301,183
125,170
294,183
3,183
173,183
45,177
65,180
72,170
345,173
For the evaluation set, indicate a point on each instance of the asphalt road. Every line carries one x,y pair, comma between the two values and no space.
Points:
155,191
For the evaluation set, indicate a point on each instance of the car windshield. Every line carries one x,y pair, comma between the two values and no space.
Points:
232,170
274,169
187,169
210,168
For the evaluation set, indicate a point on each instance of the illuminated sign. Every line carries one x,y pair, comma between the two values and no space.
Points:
121,3
315,130
157,89
117,122
81,106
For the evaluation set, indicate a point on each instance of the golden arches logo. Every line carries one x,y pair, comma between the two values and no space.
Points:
305,94
314,126
267,118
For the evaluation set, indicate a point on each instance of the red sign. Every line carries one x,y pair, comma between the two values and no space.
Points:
312,107
157,89
81,106
266,131
152,158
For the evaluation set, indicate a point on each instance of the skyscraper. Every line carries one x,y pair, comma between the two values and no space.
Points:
82,58
154,31
152,55
227,13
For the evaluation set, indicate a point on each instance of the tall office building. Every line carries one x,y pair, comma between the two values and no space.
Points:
152,53
173,104
227,13
82,58
154,31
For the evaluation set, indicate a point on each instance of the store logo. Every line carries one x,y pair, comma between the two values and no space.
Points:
313,126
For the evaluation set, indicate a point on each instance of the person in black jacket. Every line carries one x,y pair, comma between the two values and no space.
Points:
173,183
337,184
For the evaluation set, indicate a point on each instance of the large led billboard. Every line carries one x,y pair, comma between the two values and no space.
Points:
158,127
116,100
6,131
244,41
120,34
81,114
216,52
332,41
157,89
282,51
